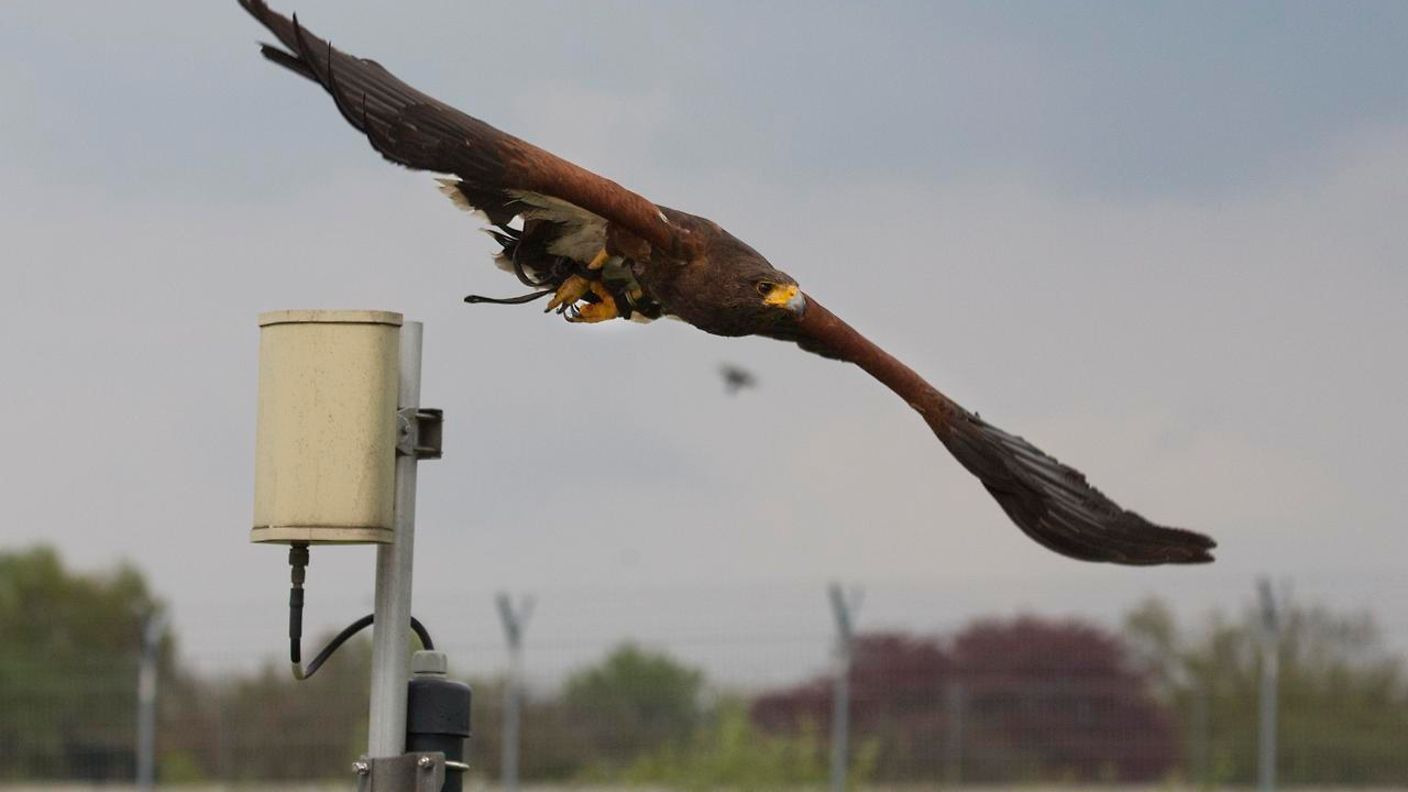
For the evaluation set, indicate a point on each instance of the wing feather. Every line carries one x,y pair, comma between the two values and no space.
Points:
415,130
1051,502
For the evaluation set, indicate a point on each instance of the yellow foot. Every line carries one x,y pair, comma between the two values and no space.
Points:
598,311
599,260
571,290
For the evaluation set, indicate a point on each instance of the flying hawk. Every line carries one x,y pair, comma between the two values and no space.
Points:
600,252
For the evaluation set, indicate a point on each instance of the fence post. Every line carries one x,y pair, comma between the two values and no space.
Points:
514,622
1201,752
152,630
842,608
1270,670
954,744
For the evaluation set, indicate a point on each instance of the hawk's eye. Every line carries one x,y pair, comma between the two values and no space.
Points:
764,288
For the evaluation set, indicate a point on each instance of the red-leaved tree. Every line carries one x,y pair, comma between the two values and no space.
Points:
1023,699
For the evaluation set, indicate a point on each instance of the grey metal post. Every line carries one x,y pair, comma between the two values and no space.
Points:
146,699
1270,668
1201,749
391,630
842,609
955,733
514,622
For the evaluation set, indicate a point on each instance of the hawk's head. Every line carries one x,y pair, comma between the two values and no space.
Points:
752,296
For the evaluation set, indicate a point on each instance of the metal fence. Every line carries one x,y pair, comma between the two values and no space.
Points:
1022,701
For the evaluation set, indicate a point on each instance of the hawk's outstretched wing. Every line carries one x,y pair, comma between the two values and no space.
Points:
1051,502
412,129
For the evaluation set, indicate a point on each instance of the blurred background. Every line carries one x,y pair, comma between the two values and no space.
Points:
1164,242
990,701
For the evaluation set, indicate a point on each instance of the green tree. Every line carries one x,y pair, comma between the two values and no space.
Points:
68,667
728,751
1343,697
635,701
272,726
552,745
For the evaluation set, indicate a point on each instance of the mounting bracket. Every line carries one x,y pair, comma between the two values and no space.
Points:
419,431
412,772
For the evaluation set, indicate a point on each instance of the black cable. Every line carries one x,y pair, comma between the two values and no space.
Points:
298,561
423,634
322,656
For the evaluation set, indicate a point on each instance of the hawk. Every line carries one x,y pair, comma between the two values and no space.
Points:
600,252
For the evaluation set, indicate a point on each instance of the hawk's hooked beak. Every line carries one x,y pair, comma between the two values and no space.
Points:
787,296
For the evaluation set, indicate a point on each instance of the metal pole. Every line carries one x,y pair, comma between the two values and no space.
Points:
514,622
840,722
841,609
955,733
146,700
1270,668
391,630
1201,744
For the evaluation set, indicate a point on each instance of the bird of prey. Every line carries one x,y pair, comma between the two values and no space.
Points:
601,252
736,378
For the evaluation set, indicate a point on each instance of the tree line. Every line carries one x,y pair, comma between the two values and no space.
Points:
1000,700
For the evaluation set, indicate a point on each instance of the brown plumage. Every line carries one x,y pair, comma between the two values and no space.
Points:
604,252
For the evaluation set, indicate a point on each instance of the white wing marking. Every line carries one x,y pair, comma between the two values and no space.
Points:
586,231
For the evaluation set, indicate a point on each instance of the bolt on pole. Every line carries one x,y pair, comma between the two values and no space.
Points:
514,622
842,609
391,628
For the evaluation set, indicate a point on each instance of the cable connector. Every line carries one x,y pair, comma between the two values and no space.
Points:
298,571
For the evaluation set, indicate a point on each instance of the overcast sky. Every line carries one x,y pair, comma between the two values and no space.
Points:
1165,242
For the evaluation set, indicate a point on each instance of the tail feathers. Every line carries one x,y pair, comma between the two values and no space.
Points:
293,64
493,204
1054,505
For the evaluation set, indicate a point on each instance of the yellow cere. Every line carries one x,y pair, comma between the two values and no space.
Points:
781,294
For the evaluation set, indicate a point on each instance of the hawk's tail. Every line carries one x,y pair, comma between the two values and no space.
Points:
1053,503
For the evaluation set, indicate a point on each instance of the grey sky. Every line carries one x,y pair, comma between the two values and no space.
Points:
1163,241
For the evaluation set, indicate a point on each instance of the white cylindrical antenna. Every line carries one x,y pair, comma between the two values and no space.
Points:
325,443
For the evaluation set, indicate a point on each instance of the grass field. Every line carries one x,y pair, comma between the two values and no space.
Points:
473,785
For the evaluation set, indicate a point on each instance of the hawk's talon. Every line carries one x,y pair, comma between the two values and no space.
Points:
596,311
571,290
